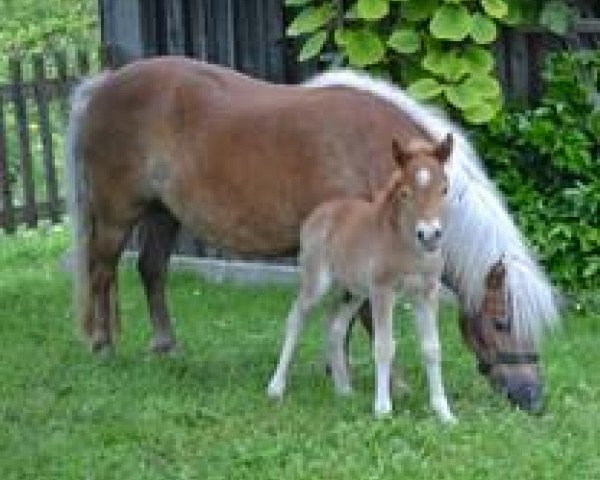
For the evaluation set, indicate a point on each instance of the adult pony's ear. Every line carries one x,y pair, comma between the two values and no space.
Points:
444,148
400,155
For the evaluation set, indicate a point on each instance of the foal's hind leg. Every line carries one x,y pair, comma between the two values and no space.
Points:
314,285
337,332
398,382
157,231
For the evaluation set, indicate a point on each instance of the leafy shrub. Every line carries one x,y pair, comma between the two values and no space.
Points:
37,25
547,161
439,49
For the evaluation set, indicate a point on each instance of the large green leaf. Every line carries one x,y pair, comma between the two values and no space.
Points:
425,89
313,45
404,40
432,61
416,10
473,91
483,29
459,96
477,59
452,66
483,86
481,112
495,8
311,19
364,47
372,9
556,16
451,22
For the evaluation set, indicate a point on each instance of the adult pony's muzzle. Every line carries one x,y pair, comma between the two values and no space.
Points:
522,390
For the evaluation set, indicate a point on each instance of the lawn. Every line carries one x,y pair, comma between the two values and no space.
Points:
204,414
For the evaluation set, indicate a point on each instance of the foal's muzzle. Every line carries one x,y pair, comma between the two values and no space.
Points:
429,235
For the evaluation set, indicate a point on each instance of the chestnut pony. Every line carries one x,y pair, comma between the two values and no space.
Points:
370,249
171,142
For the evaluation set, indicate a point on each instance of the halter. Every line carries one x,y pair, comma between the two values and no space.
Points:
501,357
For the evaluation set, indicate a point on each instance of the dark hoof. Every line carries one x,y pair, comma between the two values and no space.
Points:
163,346
103,351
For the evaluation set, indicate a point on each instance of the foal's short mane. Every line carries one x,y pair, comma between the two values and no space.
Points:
479,229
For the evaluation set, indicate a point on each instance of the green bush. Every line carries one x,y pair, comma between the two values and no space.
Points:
547,161
440,50
41,25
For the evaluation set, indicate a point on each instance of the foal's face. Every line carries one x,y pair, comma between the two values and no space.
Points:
422,186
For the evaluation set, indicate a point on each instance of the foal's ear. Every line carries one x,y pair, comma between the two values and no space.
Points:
400,155
444,148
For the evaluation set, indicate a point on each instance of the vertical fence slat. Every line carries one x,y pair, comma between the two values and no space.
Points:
8,213
261,61
106,53
41,101
198,27
16,77
83,62
60,58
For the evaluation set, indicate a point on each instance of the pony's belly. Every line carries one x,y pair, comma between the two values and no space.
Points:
232,230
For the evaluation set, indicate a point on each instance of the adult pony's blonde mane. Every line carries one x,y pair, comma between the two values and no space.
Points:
479,230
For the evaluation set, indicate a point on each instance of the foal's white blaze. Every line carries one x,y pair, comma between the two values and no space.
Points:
423,176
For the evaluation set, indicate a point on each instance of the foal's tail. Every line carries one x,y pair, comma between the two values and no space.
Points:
78,201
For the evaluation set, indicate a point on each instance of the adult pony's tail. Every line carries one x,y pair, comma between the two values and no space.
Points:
78,201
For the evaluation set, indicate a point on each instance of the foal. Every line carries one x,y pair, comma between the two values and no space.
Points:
370,249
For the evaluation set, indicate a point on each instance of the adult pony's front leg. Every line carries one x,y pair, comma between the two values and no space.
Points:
382,305
157,233
426,306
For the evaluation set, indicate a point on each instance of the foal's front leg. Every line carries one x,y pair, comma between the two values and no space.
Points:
426,306
382,304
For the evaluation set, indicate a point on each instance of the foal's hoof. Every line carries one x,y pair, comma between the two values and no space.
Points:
382,409
399,387
344,390
275,389
449,419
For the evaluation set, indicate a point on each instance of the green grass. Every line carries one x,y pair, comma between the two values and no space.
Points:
204,414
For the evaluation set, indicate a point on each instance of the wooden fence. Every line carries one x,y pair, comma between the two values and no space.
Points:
33,113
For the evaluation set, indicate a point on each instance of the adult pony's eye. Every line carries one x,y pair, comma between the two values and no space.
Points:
501,325
445,190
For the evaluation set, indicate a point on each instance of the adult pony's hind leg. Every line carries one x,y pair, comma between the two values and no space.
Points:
105,247
157,233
